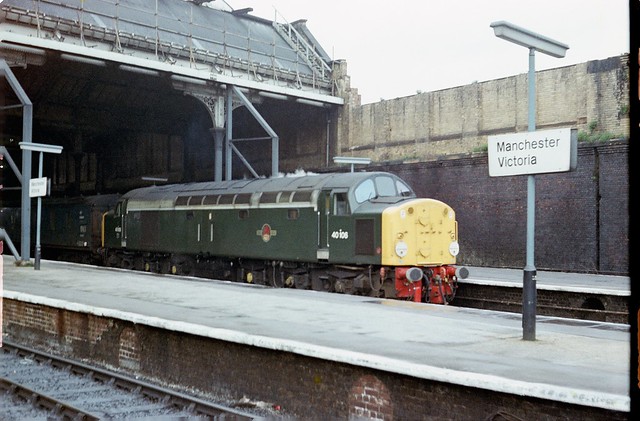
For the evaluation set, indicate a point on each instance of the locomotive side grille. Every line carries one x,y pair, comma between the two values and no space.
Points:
285,197
302,196
243,199
365,237
195,200
182,200
269,197
226,199
211,199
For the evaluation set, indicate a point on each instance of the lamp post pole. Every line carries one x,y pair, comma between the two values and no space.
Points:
38,255
529,291
28,148
534,42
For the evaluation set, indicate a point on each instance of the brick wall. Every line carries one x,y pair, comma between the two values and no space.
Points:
458,120
582,220
303,387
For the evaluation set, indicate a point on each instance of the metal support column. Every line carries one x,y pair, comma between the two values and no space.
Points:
529,292
38,253
218,145
27,124
227,141
218,136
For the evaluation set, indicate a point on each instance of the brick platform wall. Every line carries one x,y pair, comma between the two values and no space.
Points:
600,307
303,387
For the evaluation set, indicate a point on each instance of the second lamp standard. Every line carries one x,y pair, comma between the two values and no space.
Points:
534,42
42,148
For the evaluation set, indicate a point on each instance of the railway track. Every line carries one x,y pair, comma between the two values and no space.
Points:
43,386
612,309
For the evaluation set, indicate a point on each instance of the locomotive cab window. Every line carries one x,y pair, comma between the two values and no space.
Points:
403,189
382,186
365,191
385,187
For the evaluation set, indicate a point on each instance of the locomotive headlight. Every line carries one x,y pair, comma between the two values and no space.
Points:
401,249
454,248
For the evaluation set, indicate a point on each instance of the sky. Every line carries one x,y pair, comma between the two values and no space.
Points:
396,49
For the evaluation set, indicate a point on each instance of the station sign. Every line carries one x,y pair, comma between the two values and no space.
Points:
38,187
537,152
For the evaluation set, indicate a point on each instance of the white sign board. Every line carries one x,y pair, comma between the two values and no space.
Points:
38,187
538,152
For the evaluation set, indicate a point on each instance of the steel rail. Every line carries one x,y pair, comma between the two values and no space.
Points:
196,406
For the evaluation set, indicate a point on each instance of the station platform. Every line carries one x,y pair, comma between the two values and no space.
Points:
552,281
577,362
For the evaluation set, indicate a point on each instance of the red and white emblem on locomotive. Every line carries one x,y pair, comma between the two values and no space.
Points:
266,232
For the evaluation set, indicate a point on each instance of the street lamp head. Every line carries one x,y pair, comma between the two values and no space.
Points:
529,39
40,147
351,160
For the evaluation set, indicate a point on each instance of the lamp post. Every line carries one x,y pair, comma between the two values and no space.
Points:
42,148
351,160
534,42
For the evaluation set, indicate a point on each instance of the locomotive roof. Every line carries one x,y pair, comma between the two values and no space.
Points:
99,200
288,183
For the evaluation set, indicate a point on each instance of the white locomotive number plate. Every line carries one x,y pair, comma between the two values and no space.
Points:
340,235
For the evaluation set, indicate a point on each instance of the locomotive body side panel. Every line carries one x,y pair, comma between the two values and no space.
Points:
279,233
288,233
72,225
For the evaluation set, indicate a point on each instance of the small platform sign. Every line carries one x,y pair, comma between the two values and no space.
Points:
544,151
38,187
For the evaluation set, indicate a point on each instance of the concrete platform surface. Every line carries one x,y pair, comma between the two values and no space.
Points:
580,362
553,281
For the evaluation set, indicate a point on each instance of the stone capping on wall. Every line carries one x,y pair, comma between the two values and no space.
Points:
457,120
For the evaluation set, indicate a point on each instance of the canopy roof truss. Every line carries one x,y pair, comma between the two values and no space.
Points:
174,36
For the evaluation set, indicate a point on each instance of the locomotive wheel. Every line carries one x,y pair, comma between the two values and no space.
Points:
113,261
164,266
375,283
126,263
342,285
301,281
138,263
186,268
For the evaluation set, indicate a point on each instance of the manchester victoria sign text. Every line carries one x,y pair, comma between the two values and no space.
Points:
531,152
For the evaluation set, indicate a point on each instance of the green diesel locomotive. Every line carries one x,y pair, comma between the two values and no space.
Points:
360,233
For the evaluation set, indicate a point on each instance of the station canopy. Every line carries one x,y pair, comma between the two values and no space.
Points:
187,39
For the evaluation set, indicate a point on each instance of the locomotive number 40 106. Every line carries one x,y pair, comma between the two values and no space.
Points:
340,235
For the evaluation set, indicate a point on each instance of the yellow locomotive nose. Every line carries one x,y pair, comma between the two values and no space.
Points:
420,232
